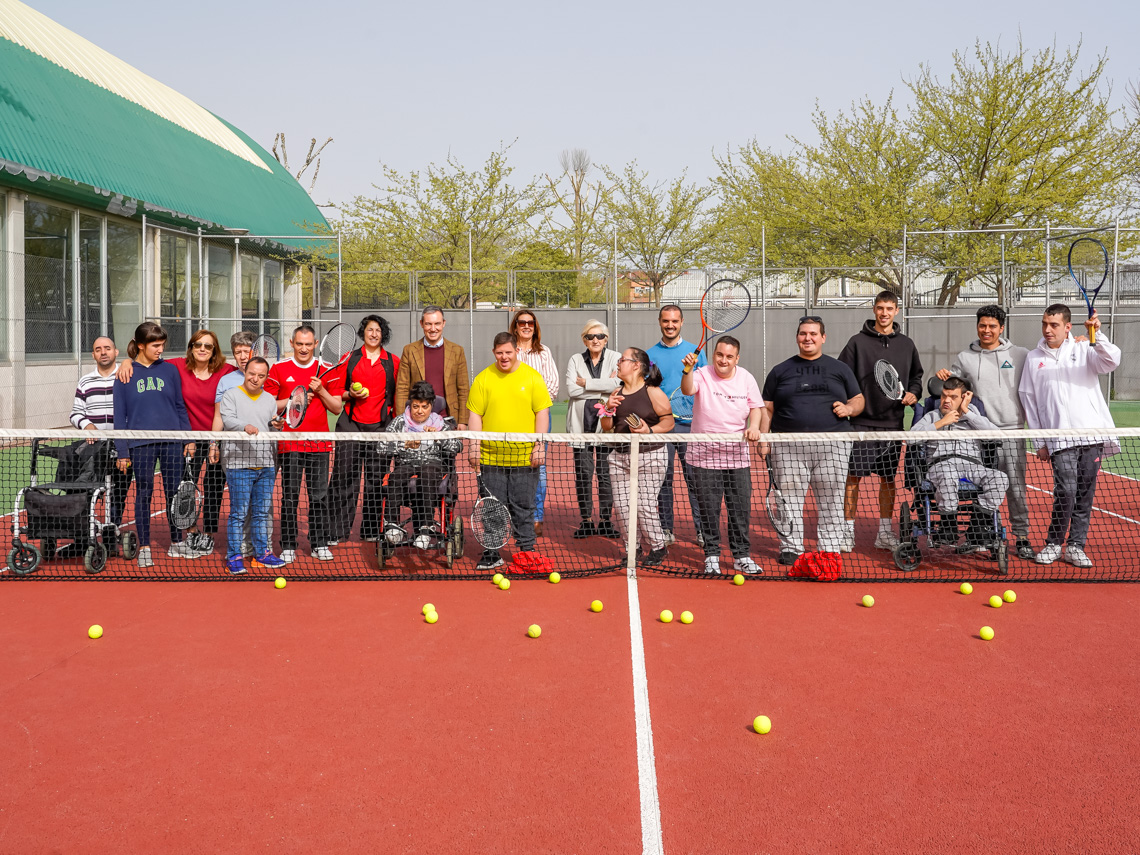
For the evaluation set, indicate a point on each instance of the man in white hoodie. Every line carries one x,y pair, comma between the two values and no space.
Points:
1060,388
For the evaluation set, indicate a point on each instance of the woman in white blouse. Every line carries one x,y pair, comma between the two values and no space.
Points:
538,356
590,377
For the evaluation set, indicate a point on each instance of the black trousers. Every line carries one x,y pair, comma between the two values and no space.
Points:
120,484
587,461
734,486
351,459
515,487
313,466
213,485
416,486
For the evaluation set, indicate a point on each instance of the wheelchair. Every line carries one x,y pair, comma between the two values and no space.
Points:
984,530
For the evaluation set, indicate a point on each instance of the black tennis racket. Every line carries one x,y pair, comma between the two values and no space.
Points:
490,521
724,306
1090,256
187,501
887,376
336,347
267,348
774,503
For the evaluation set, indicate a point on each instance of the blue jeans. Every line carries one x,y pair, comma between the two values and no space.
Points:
251,493
540,495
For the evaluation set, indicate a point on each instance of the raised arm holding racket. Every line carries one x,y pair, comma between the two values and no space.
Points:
1089,256
335,348
724,306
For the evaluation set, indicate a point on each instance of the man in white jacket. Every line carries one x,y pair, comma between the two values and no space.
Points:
1060,388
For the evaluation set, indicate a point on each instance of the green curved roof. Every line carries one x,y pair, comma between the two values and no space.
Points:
63,136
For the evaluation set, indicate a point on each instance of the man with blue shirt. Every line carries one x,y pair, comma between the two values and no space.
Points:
668,355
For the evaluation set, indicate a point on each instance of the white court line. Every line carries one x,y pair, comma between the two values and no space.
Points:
651,839
1094,507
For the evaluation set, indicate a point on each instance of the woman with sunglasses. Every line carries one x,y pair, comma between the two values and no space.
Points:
541,358
590,377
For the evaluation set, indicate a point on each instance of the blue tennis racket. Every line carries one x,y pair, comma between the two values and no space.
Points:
1089,256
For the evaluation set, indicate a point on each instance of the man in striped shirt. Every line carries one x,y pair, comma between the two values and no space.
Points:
94,409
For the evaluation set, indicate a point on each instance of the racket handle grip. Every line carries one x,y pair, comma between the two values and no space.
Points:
1092,337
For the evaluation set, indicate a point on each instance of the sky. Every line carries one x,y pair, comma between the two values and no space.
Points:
668,84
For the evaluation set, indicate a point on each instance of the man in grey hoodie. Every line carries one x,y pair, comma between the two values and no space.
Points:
993,365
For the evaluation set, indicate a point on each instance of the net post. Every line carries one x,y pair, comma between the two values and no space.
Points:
631,534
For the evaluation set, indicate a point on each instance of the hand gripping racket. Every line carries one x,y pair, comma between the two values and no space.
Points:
267,348
186,502
724,306
336,347
490,521
774,505
887,376
1090,255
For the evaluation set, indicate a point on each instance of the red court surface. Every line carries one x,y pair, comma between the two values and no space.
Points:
329,717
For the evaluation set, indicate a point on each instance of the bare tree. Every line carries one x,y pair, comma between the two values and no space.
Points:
581,204
313,157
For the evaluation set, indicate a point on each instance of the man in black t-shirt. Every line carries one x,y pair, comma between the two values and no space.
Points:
811,393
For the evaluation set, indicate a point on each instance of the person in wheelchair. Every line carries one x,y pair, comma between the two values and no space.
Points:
949,463
419,466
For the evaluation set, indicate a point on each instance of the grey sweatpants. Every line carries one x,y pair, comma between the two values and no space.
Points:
823,467
1074,488
1011,459
946,475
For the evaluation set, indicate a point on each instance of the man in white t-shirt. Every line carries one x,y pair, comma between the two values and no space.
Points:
726,399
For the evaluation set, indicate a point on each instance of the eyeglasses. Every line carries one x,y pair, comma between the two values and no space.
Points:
812,319
522,322
628,359
203,344
595,336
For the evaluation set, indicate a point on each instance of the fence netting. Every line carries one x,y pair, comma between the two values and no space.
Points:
400,506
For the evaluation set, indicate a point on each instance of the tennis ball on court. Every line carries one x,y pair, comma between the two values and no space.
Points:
761,724
986,632
596,606
504,584
534,630
95,631
966,588
428,607
686,617
868,600
279,582
555,578
431,617
356,387
995,602
738,579
497,578
666,616
1009,596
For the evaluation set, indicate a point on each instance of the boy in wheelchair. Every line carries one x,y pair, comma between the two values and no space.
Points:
949,464
420,467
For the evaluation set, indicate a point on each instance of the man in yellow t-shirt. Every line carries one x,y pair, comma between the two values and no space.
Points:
511,397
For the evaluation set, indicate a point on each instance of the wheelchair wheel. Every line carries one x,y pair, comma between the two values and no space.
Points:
1001,552
47,548
23,558
129,545
907,556
906,524
95,558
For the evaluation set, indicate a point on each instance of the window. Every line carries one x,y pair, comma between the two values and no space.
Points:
92,319
220,281
124,280
48,285
179,290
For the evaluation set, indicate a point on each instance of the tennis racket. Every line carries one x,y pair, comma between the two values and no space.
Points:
682,405
887,376
774,505
724,306
490,521
187,501
336,347
1090,255
267,348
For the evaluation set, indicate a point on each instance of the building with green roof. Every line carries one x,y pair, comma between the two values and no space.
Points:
123,200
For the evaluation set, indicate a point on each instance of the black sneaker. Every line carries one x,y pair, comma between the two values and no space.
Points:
1025,550
655,557
787,558
608,529
489,560
201,542
586,529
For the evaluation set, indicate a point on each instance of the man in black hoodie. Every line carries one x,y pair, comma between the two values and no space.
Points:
880,338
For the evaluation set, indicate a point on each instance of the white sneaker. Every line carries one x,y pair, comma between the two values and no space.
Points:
422,541
712,565
1076,556
746,565
182,550
886,540
669,538
323,553
144,558
288,555
1049,554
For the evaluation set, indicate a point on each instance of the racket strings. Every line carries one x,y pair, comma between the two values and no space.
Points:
725,306
336,344
491,523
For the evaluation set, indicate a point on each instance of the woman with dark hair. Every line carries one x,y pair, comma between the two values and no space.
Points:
538,356
200,371
152,400
639,406
369,381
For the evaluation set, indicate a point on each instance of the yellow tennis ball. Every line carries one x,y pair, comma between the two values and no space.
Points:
868,600
596,606
987,633
364,392
504,584
966,588
666,616
1009,596
95,631
686,617
555,578
534,630
428,607
356,387
497,578
431,617
738,579
279,582
761,724
995,602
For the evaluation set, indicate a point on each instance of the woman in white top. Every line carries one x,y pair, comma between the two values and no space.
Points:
590,377
538,356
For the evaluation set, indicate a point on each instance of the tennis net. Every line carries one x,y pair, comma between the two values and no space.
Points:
611,504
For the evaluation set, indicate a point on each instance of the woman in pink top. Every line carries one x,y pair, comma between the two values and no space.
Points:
726,400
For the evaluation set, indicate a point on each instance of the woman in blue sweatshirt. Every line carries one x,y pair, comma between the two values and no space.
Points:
152,400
